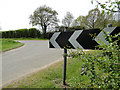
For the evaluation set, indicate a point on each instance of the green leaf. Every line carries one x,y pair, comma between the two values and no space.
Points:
103,6
119,2
103,11
110,6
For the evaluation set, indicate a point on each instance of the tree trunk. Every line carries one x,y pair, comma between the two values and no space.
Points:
44,31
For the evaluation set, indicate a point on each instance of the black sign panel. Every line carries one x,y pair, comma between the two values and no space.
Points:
86,39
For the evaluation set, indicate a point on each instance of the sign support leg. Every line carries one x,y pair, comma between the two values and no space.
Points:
64,66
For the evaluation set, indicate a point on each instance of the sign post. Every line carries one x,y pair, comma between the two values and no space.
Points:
64,66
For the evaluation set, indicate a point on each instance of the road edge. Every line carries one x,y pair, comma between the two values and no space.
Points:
4,85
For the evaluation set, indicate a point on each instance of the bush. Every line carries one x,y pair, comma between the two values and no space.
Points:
103,67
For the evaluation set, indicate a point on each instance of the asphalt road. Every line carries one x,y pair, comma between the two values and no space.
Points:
28,58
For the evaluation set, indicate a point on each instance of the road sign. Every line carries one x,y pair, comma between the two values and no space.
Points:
85,39
81,39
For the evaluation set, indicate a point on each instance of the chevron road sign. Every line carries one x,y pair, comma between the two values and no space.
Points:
81,38
85,39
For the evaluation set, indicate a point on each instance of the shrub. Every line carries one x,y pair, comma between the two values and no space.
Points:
103,67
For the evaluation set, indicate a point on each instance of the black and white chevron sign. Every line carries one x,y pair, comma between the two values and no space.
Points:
81,38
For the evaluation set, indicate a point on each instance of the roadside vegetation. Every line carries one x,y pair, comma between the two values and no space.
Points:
51,77
8,44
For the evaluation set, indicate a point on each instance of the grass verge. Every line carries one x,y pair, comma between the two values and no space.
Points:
8,44
51,77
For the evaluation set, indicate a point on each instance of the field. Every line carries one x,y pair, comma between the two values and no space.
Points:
8,44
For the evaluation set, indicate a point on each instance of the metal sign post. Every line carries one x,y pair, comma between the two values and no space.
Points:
64,66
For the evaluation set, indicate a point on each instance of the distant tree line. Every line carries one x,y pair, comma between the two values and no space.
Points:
65,28
24,33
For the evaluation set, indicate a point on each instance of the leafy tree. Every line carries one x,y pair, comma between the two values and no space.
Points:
92,19
79,20
110,6
68,19
44,17
96,19
105,19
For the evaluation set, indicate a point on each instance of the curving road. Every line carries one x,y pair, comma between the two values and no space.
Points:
28,58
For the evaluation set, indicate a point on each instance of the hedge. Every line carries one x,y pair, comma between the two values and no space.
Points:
22,33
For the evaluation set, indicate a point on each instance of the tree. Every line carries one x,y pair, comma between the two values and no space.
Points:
44,17
79,20
96,19
105,19
92,19
111,6
68,19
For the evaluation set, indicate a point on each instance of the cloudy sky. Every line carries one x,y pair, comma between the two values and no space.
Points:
14,14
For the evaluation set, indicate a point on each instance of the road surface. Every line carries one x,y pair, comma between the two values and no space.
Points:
28,58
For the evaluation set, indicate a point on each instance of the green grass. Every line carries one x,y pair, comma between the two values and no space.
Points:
52,77
8,44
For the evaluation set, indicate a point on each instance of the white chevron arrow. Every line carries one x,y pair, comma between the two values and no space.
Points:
101,36
73,38
53,38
